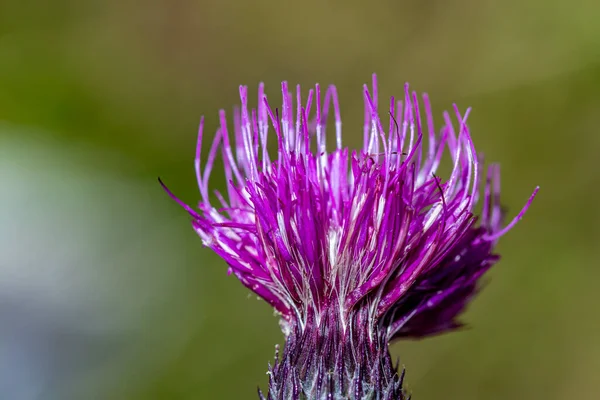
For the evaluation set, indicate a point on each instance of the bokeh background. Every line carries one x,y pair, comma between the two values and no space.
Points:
106,292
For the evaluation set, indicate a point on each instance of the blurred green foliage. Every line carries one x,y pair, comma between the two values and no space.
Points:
116,90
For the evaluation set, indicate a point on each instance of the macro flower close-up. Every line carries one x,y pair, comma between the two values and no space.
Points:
317,232
352,248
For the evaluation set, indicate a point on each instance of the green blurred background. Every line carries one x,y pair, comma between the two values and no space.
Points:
107,293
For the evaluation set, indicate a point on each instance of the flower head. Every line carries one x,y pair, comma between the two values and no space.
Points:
352,248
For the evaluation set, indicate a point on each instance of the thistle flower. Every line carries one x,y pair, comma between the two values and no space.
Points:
352,248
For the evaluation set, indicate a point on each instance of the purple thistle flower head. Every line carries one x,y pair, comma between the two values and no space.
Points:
352,248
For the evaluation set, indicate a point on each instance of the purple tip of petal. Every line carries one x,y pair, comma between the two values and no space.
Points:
187,208
496,235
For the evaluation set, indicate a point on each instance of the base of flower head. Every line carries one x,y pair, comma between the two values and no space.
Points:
325,360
